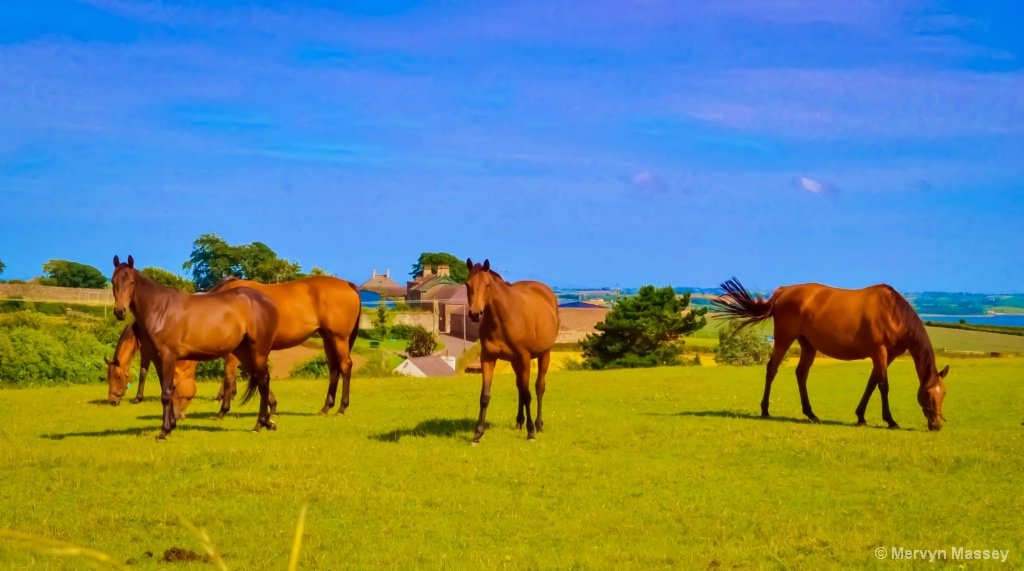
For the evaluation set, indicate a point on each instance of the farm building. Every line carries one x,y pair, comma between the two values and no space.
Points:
418,290
380,285
432,366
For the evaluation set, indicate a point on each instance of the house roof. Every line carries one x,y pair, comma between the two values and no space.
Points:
383,285
428,282
448,293
433,366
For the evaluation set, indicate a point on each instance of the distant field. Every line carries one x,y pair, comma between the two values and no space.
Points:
655,469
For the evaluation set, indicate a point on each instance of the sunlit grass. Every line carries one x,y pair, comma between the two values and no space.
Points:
663,468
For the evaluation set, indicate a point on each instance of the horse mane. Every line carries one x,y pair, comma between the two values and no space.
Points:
223,282
131,331
914,334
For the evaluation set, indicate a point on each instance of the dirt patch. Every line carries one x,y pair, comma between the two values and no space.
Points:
176,554
286,359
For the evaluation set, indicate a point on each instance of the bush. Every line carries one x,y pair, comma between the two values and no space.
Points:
406,331
375,367
744,347
50,355
315,368
422,343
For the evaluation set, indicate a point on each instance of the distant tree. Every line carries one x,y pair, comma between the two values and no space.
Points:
2,266
380,321
213,259
458,269
166,278
318,272
744,347
422,343
74,274
645,330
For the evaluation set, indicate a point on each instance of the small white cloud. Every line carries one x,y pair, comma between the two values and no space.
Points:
649,184
811,185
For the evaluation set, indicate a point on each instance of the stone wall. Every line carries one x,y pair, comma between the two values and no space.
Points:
35,292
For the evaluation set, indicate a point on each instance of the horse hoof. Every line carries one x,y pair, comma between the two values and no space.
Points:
136,401
893,426
341,411
519,426
323,412
814,419
765,415
271,426
531,438
862,423
163,436
220,416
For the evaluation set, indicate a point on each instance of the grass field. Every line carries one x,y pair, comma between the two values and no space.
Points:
661,468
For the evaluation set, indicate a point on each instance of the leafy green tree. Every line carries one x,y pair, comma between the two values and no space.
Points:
2,266
643,331
457,267
213,259
318,272
422,343
74,274
744,347
380,321
166,278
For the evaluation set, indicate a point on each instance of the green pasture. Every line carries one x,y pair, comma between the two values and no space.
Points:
666,468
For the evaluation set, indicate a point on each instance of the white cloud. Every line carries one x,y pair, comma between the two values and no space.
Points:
811,185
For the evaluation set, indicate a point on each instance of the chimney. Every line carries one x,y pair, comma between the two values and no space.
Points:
443,270
428,270
374,273
387,273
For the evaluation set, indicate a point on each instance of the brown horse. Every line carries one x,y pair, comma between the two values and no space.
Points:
321,304
174,325
874,323
518,323
119,373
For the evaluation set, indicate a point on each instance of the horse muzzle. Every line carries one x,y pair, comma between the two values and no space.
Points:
119,314
474,316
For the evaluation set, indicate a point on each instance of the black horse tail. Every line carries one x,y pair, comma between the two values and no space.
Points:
359,317
738,304
250,390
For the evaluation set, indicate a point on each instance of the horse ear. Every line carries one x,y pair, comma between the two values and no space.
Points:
469,263
487,265
107,361
131,262
117,261
943,372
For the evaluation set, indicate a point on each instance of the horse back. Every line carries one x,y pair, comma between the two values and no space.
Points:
832,317
533,325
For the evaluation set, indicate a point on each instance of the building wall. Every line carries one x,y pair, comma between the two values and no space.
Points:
577,323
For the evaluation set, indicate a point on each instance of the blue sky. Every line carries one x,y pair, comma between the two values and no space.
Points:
595,143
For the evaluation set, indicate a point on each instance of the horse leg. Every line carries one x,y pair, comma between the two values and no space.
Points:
807,354
143,371
487,368
344,355
862,408
542,372
881,373
167,364
778,353
255,363
334,366
522,369
229,387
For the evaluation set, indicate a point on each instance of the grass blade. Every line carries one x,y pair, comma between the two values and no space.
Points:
293,563
208,545
56,547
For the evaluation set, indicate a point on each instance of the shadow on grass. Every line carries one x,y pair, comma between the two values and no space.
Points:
758,417
208,415
448,427
103,402
137,431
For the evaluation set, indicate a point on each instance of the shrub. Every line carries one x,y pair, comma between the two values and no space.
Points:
29,319
315,368
375,367
422,343
406,331
744,347
50,355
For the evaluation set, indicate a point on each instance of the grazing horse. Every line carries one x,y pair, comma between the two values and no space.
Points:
518,323
119,373
874,323
323,304
174,325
